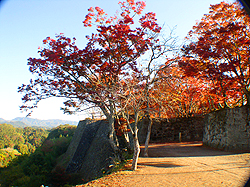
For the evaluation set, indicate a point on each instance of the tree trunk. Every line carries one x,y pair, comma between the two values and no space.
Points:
136,150
126,136
247,93
112,137
148,137
136,145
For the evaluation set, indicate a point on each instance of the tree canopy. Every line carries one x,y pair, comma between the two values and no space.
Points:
91,74
219,52
209,73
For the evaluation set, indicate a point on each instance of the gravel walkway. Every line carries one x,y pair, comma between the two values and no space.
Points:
183,164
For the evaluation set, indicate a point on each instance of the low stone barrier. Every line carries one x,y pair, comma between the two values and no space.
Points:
173,130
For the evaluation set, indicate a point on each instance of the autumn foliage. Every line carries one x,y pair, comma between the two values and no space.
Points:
91,74
218,52
210,72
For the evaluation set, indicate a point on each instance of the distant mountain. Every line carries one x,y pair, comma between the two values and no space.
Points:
24,122
14,123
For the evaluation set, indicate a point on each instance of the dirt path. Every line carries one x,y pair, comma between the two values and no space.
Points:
183,164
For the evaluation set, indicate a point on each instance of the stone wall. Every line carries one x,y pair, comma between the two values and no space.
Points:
90,151
228,129
164,130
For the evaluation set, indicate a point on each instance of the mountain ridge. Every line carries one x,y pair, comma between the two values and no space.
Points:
32,122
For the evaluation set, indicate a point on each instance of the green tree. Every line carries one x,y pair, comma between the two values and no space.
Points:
62,131
23,149
38,167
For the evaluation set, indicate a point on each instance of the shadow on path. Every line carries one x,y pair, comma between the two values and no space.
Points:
159,164
185,149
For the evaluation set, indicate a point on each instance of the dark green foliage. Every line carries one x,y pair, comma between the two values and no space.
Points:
62,131
34,136
59,177
39,168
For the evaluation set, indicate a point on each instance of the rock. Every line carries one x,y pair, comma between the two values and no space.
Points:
90,151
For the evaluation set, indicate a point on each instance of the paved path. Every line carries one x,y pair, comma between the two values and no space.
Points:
183,164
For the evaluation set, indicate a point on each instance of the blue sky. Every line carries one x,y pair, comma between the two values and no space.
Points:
25,23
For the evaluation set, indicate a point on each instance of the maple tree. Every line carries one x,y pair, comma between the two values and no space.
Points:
93,74
133,102
158,52
180,96
130,102
159,48
219,52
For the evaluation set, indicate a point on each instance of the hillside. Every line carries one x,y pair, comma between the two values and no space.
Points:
28,156
25,121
